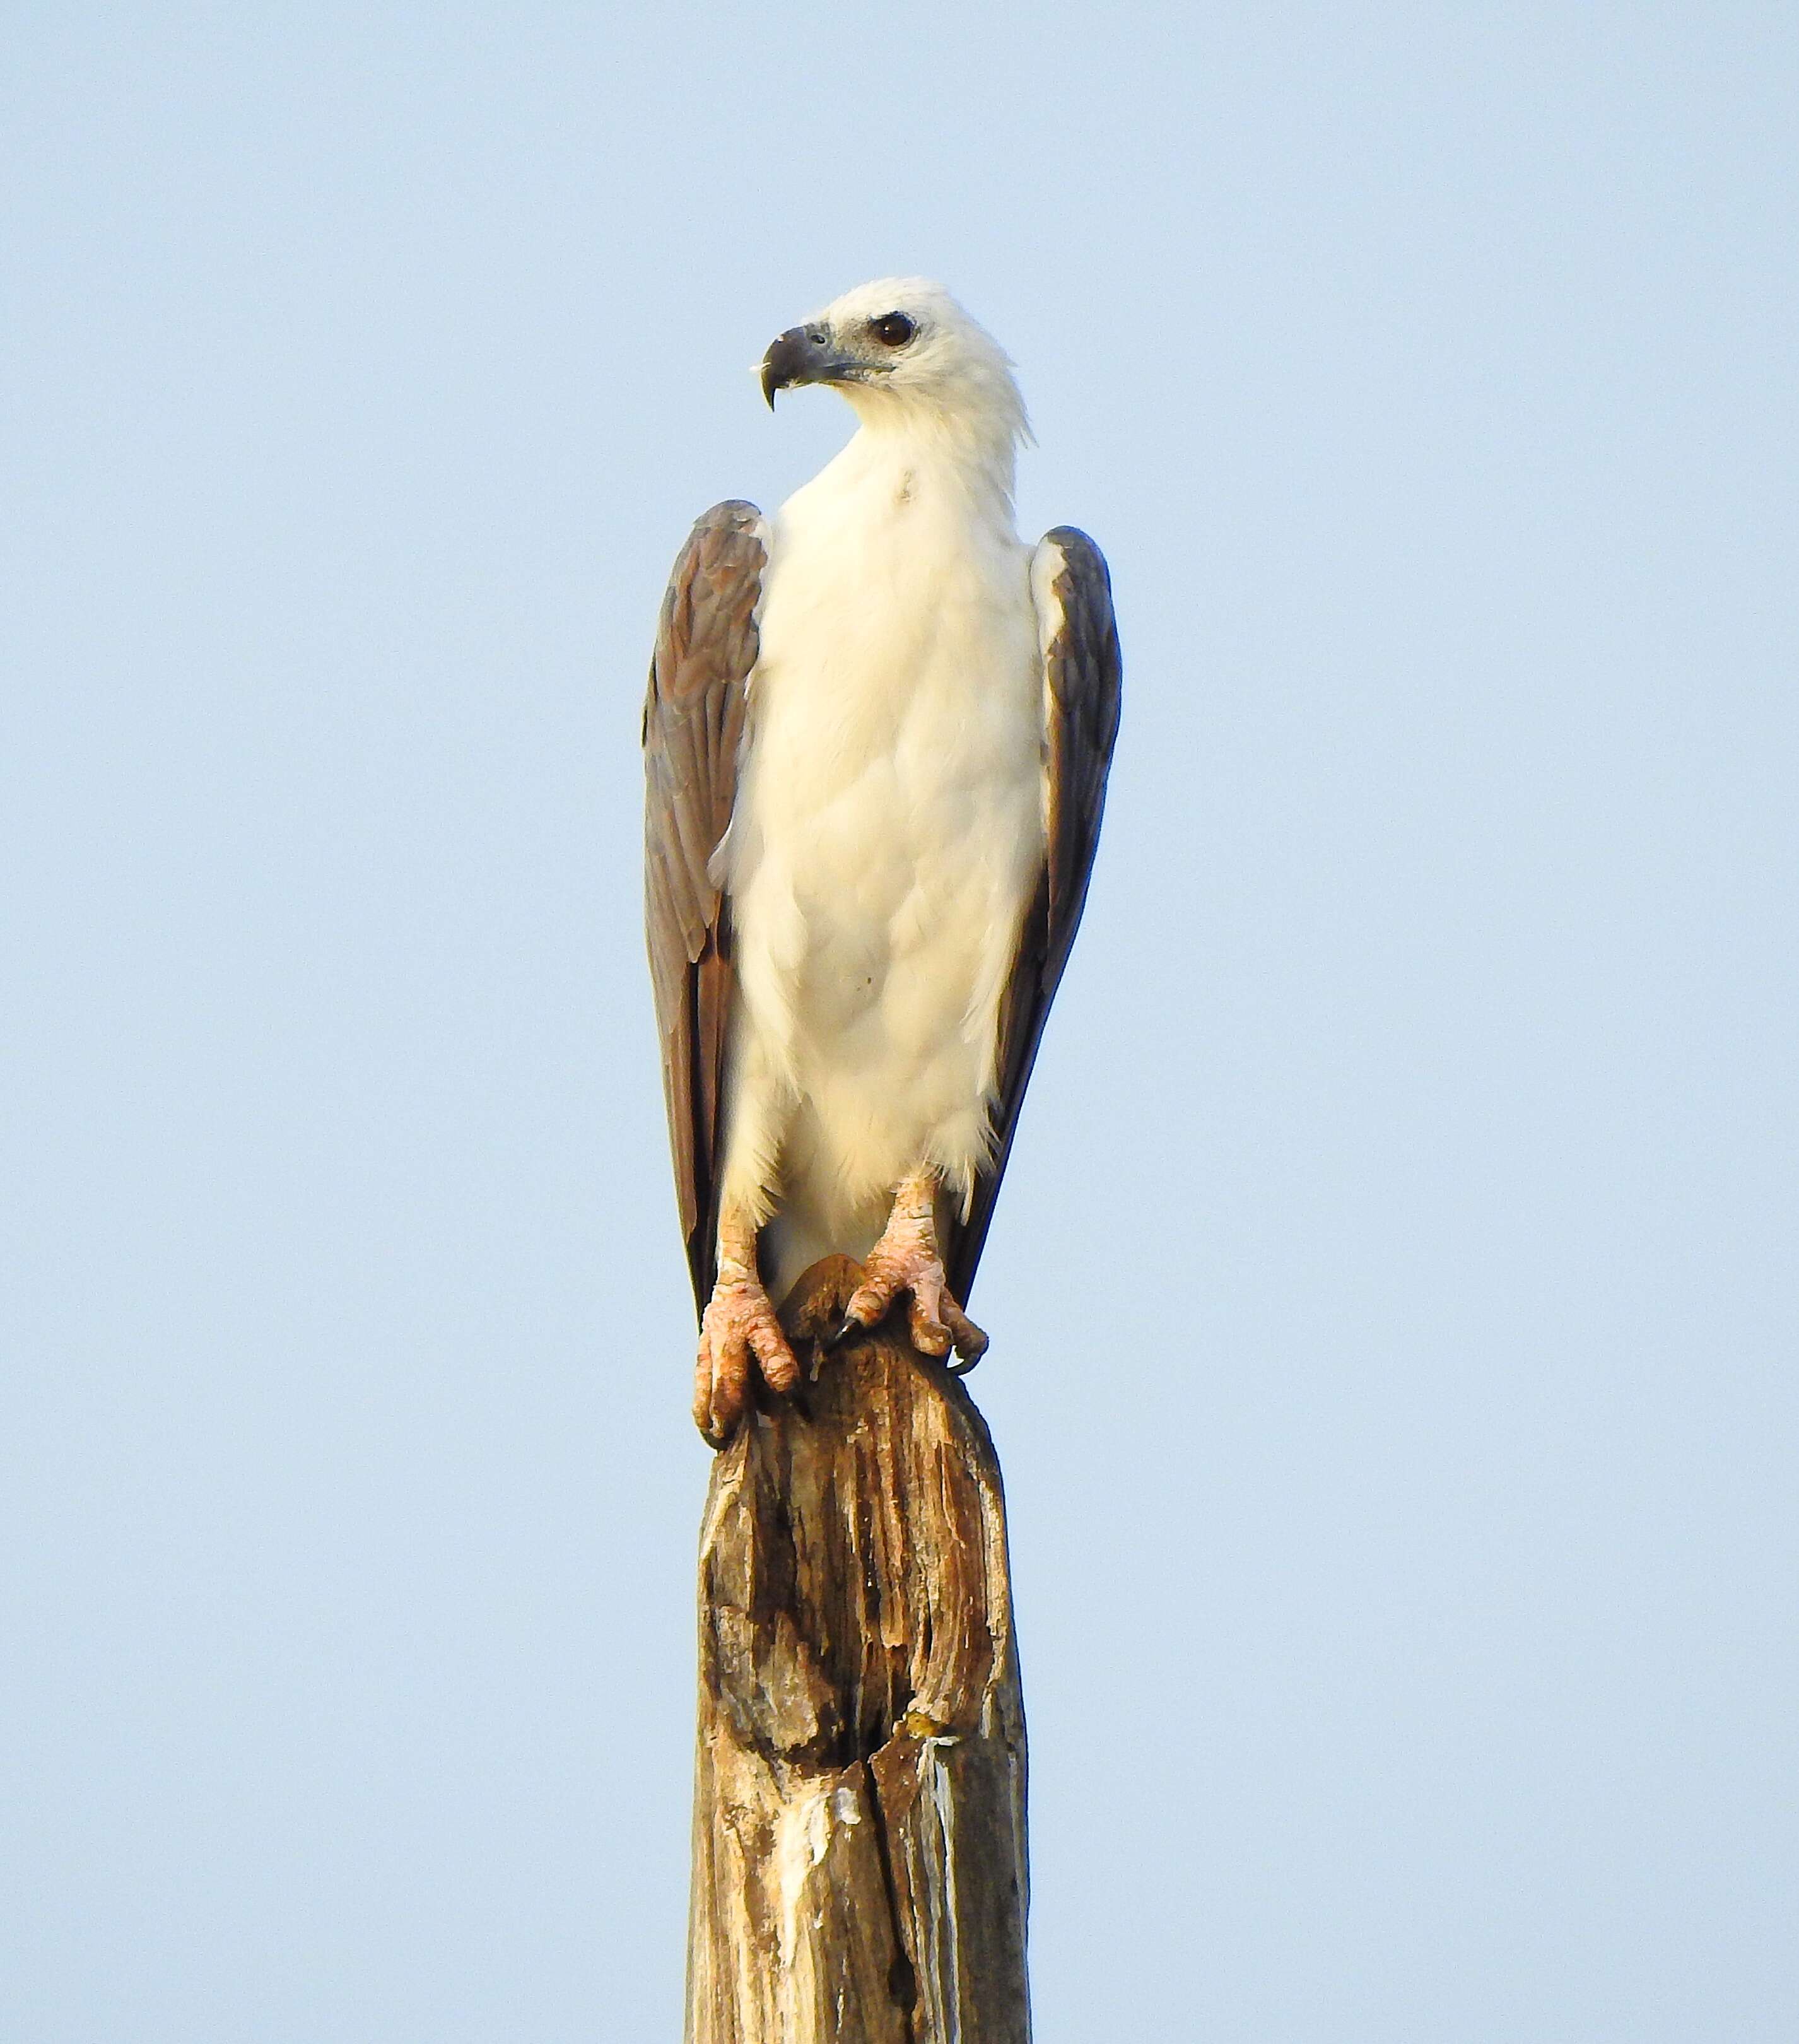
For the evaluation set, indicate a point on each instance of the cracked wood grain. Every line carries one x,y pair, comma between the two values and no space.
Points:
859,1869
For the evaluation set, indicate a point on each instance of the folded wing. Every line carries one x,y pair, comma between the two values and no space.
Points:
1073,595
706,645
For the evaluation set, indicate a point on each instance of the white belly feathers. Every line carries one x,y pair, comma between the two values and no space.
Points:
888,833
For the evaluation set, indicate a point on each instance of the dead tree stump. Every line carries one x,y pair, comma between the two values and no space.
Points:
859,1800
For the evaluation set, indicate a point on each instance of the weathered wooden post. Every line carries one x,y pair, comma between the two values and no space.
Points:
859,1871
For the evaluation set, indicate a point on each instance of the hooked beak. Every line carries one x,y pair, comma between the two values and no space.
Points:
803,354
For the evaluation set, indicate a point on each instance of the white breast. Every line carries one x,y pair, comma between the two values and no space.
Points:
887,835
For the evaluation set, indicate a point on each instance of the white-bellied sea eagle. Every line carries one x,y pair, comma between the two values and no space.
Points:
877,740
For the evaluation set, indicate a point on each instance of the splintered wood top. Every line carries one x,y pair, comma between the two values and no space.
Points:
859,1836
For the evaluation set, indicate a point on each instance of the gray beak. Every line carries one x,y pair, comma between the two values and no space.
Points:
802,355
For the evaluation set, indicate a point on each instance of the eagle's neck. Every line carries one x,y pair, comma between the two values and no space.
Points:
904,450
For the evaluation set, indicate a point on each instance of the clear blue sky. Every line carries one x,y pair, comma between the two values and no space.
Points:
1393,1299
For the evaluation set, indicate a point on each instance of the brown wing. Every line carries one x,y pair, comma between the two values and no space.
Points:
693,729
1081,685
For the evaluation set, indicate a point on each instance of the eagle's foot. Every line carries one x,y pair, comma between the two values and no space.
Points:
906,1259
738,1331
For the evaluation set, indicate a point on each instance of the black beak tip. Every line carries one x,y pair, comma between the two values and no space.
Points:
796,356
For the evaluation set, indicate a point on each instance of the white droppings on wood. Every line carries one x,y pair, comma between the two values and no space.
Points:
943,1801
802,1839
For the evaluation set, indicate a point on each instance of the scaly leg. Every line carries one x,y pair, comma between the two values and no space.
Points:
738,1325
906,1258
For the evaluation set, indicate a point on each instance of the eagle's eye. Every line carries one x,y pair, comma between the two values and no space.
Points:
893,329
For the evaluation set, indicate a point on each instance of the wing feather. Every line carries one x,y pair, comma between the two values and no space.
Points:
706,645
1082,674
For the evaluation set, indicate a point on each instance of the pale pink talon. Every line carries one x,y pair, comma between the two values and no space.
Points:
739,1327
906,1259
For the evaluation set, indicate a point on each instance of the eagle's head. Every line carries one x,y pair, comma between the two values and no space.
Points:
902,349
